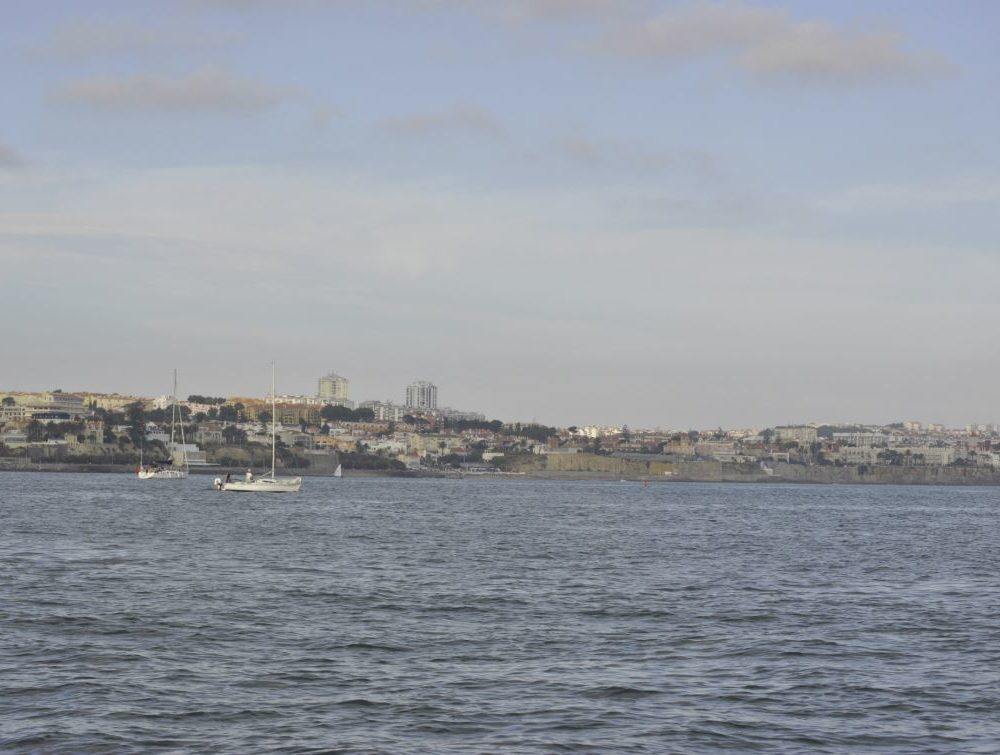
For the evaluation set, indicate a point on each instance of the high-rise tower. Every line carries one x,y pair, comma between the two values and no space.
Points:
422,395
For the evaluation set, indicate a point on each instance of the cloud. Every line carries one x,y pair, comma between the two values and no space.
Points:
917,196
207,90
458,118
509,9
9,159
87,39
527,10
607,157
766,41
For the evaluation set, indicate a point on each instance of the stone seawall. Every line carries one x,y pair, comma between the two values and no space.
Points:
592,466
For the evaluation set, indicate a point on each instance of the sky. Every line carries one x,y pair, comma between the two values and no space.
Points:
672,214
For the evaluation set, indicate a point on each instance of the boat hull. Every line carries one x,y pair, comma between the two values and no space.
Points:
162,474
262,485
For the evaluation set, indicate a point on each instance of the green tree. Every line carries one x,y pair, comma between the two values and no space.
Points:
136,417
336,413
8,401
233,435
35,431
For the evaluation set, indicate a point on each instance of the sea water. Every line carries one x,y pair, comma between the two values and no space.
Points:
453,616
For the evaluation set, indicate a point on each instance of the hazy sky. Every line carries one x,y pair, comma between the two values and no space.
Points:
661,213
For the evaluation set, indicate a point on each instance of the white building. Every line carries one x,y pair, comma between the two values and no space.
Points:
801,434
865,440
48,403
932,455
385,411
335,390
422,395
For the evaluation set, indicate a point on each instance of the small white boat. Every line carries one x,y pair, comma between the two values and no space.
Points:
268,483
339,471
155,471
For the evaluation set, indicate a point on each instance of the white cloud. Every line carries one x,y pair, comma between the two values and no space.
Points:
9,158
86,39
630,159
541,9
916,196
768,42
206,90
508,9
457,118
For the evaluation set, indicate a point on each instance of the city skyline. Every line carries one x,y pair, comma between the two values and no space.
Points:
652,212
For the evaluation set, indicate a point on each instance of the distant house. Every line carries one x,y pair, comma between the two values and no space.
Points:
801,434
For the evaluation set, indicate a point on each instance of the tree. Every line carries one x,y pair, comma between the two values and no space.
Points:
233,435
8,401
539,433
136,417
336,413
35,431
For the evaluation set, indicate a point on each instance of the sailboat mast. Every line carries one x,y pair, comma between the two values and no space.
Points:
181,416
173,410
273,418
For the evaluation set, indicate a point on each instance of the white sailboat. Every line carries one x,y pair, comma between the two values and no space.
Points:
155,471
339,471
267,483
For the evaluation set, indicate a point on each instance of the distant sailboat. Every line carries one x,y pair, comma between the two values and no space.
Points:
339,471
267,483
155,471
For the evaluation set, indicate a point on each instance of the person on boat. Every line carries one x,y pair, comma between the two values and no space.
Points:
229,477
249,475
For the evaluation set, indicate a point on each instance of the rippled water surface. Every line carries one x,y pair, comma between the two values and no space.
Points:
438,616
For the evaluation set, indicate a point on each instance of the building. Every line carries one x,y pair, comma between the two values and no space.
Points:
385,411
422,395
866,440
455,414
335,390
54,405
929,455
801,434
113,402
208,436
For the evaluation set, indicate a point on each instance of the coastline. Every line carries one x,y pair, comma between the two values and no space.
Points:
698,472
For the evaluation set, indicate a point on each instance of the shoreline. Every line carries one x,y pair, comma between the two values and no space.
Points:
802,476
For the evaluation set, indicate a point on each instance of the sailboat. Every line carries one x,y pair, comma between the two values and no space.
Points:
267,483
339,471
155,471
